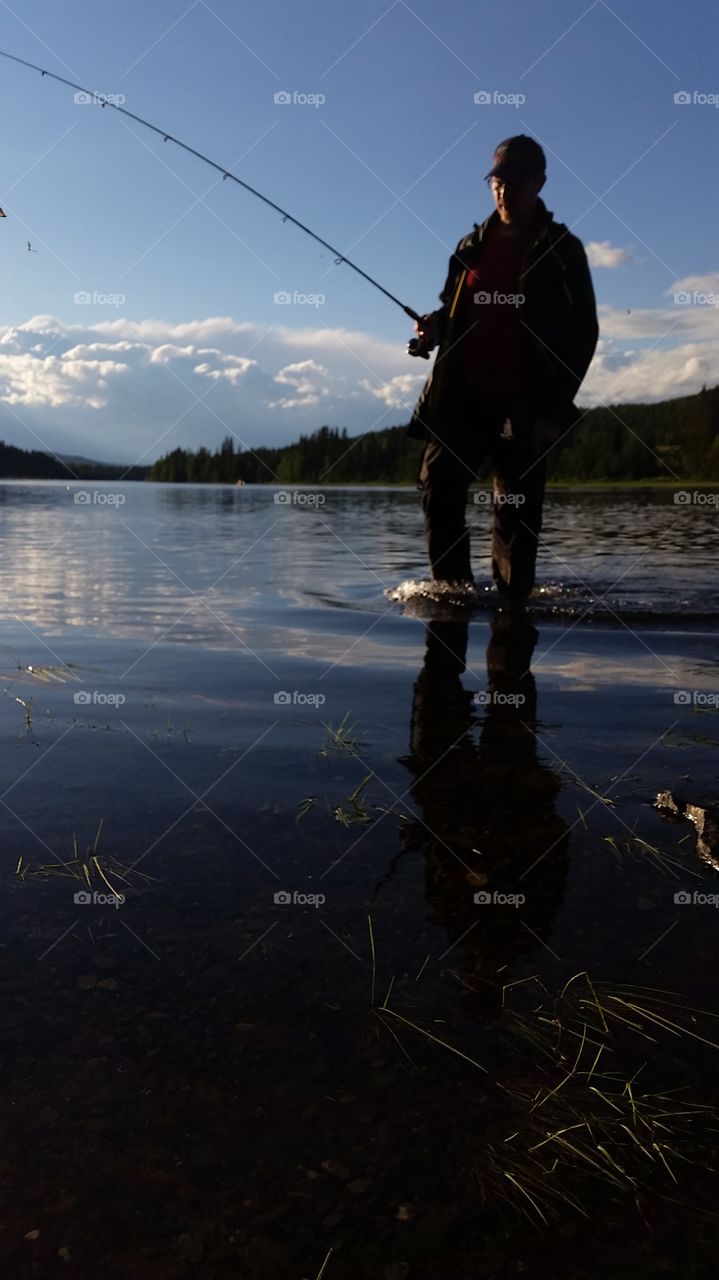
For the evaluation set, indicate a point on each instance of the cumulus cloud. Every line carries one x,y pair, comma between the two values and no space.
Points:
619,375
308,382
603,254
130,390
707,284
57,380
399,392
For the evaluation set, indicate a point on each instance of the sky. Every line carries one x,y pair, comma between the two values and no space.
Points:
147,304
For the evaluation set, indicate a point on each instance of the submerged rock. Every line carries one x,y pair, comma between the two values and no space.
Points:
704,817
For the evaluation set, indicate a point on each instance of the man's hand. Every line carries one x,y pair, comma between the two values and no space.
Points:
546,433
428,331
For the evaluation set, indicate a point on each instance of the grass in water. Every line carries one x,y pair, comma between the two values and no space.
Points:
342,738
590,1125
356,814
88,866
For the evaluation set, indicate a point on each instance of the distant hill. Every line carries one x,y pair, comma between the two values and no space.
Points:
674,439
36,464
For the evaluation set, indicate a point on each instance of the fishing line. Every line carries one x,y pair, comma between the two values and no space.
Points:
106,101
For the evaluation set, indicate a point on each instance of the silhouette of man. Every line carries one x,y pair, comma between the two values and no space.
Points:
517,330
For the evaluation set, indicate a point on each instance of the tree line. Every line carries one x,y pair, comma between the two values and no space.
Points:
674,438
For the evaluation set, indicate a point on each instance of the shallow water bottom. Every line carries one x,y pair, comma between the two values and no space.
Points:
328,998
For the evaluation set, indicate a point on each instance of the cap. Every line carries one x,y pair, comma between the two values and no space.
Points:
519,157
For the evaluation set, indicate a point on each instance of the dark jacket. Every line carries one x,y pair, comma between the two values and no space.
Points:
558,316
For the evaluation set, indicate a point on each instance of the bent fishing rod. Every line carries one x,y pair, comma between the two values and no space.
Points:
415,346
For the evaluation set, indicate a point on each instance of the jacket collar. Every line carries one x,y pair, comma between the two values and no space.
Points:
543,218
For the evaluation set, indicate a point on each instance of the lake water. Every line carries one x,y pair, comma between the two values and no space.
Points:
301,1030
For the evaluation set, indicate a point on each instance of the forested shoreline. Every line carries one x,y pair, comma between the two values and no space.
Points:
671,439
674,439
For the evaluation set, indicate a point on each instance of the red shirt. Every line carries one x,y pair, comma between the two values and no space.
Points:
491,311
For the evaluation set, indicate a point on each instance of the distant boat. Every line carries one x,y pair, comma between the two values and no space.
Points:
239,481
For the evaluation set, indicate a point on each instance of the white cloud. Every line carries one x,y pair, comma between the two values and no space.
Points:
674,323
708,283
127,390
602,254
399,392
307,380
647,376
57,381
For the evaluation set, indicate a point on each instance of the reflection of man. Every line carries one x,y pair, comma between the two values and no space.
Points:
517,330
487,804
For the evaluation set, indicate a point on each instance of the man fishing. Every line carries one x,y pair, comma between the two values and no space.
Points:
517,330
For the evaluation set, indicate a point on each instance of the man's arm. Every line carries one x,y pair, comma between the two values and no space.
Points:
432,327
585,326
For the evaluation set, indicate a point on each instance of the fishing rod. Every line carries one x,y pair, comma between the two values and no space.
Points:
415,346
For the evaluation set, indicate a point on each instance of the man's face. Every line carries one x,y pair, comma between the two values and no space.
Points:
515,198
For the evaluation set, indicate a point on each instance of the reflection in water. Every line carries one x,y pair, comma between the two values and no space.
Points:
486,803
204,564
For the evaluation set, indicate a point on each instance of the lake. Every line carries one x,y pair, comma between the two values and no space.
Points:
315,888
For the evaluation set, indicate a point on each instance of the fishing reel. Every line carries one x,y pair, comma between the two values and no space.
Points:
423,343
417,347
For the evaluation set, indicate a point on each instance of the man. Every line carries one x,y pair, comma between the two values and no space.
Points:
517,330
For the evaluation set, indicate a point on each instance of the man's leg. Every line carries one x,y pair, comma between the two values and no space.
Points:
444,480
519,481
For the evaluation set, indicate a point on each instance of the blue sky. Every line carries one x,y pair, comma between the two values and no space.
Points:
182,339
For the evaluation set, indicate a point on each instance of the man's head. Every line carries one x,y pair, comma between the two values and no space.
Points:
516,179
